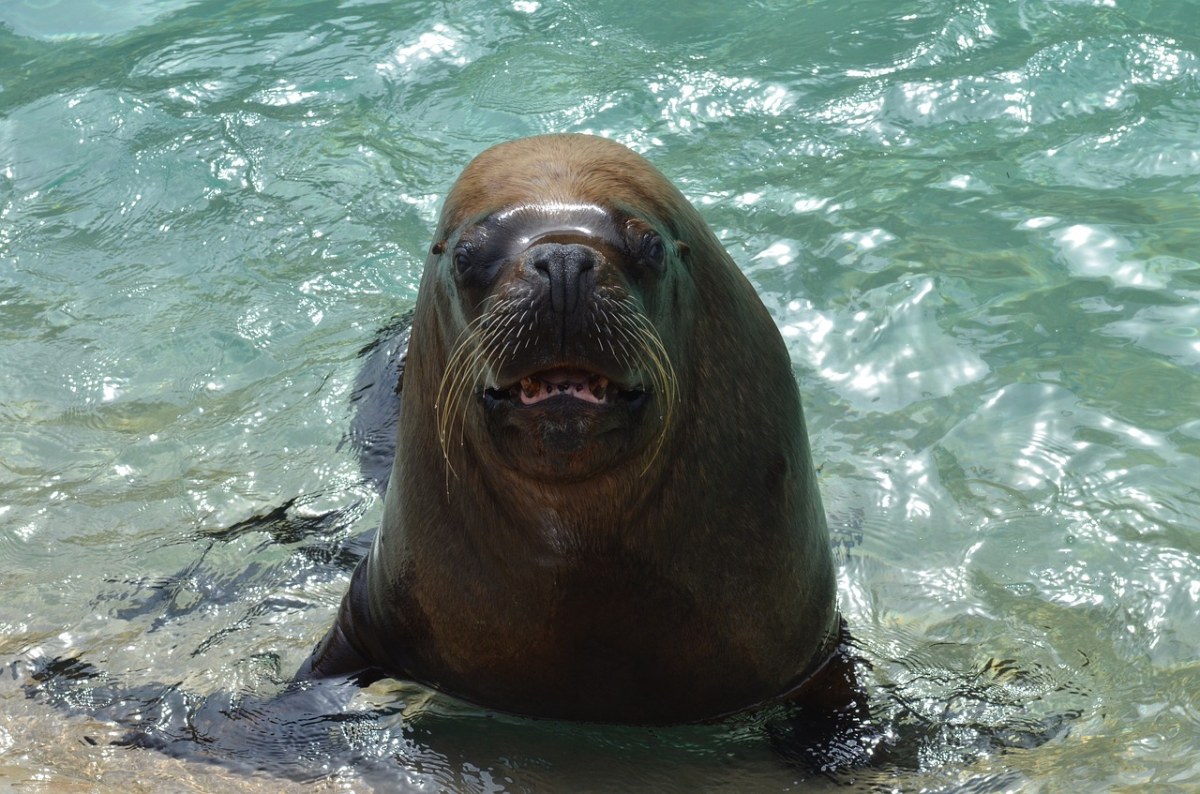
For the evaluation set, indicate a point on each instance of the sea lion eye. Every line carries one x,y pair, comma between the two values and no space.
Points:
462,258
653,252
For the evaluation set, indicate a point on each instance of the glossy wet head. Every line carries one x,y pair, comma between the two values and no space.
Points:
560,355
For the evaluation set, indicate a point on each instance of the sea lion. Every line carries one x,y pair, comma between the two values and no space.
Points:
603,505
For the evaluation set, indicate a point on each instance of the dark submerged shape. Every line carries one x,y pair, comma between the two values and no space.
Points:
603,505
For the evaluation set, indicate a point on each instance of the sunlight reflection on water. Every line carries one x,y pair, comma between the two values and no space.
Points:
973,223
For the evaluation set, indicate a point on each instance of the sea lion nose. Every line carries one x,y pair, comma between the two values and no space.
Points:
569,270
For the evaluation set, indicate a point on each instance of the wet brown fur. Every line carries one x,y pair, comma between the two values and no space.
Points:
682,582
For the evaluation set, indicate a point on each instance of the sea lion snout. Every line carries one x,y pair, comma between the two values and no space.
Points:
568,273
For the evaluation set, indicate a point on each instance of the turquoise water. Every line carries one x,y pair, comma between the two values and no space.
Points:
977,225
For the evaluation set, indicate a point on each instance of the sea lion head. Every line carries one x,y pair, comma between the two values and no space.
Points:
556,271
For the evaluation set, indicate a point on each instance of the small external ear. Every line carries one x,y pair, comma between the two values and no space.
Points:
438,247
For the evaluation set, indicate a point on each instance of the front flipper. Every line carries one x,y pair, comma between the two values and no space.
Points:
342,652
826,725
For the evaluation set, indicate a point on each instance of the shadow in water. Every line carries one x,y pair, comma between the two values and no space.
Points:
400,735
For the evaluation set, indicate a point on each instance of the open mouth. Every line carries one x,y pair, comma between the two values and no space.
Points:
578,384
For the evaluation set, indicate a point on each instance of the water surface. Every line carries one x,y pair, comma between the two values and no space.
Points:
976,226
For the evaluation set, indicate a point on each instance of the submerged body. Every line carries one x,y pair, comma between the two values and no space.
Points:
602,505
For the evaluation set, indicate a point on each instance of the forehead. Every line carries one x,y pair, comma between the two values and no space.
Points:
532,220
569,213
521,225
574,177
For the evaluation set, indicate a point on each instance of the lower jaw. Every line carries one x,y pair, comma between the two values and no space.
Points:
564,442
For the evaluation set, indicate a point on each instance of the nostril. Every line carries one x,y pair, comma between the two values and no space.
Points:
567,268
567,259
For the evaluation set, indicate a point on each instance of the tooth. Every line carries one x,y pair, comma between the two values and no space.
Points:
531,386
599,387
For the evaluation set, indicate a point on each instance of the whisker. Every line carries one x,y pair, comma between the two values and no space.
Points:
504,328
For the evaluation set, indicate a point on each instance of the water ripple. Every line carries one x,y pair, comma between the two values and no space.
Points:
973,221
887,352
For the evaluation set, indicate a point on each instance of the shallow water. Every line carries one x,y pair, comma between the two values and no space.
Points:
976,224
